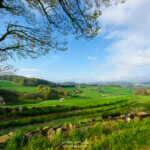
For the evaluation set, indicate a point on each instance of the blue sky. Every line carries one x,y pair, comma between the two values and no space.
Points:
120,53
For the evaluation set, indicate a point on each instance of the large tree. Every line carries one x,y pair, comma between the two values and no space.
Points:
34,27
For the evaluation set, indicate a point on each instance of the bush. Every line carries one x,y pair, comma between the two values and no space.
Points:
28,95
77,91
142,92
9,95
45,92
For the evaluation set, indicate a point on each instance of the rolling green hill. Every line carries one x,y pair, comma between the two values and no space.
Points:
116,90
27,81
10,85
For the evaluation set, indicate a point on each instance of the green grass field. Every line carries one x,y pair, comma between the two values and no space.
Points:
8,85
92,103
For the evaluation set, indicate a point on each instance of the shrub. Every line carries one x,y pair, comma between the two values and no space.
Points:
28,95
45,92
77,91
9,95
141,92
148,91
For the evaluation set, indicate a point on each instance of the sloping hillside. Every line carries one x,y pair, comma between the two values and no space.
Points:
27,81
10,85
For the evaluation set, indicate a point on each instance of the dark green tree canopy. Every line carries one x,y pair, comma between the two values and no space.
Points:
34,27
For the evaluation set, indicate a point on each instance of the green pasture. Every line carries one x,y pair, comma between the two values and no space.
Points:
91,96
8,85
116,90
92,103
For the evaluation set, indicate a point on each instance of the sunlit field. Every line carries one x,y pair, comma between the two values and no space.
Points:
92,103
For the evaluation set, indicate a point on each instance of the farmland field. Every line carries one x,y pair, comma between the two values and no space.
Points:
93,103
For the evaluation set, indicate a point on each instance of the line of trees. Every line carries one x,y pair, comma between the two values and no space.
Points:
27,81
43,93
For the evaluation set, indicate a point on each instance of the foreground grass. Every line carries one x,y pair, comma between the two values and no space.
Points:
103,135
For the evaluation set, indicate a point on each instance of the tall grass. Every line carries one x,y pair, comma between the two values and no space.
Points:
102,135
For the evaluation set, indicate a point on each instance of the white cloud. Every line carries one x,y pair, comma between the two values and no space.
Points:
30,72
128,26
93,58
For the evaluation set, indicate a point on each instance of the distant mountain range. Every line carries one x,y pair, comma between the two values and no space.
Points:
36,81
